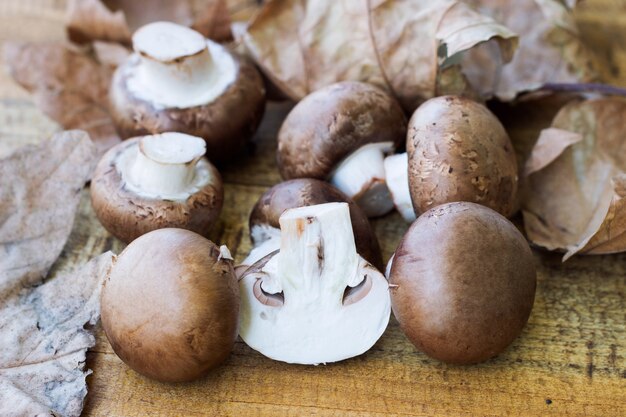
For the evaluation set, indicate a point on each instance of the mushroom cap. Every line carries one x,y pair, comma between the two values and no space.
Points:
465,280
127,215
226,123
459,151
331,123
170,305
308,192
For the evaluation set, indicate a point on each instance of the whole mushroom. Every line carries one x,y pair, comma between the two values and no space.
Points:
179,81
341,133
459,151
302,192
170,305
315,300
463,283
156,181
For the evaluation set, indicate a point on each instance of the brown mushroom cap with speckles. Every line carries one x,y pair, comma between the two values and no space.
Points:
465,283
226,124
170,305
459,151
308,192
127,215
331,123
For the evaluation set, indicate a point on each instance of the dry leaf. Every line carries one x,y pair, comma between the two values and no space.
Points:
68,85
550,49
398,45
574,200
39,195
43,342
116,20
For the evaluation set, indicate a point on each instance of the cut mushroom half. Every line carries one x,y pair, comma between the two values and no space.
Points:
341,133
177,80
264,218
315,300
397,180
157,181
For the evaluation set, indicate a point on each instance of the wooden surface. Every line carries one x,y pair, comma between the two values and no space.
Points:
570,359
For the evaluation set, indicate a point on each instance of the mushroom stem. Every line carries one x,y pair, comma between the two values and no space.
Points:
317,254
165,163
361,176
173,57
397,178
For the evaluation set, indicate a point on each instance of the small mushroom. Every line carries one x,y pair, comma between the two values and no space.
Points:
156,181
179,81
463,283
341,133
170,305
459,151
397,179
302,192
315,300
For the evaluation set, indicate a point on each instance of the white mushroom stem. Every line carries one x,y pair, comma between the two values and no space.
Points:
361,176
178,67
165,164
397,179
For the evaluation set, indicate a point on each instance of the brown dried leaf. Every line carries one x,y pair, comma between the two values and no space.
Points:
550,49
39,194
575,202
43,342
400,46
116,20
69,86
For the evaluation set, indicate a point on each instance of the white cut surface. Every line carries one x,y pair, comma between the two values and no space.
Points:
172,147
397,178
361,176
167,41
317,262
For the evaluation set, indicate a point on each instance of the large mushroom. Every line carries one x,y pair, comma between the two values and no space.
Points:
302,192
315,300
341,133
152,182
179,81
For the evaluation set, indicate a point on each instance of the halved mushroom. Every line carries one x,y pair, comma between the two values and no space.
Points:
264,219
179,81
341,133
157,181
316,300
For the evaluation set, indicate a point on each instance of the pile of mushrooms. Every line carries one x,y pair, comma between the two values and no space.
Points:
179,81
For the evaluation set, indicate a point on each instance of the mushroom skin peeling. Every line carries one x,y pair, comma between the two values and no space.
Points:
315,300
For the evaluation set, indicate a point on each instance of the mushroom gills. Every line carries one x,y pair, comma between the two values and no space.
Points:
333,304
361,176
397,179
177,67
167,166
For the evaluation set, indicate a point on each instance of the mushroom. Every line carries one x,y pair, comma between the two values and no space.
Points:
170,305
315,300
178,81
341,133
459,151
463,283
156,181
264,219
397,179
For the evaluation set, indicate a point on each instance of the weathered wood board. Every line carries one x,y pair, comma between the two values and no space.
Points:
570,359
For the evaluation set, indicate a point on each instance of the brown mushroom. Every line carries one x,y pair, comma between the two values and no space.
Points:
459,151
157,181
265,228
178,81
170,305
341,133
463,283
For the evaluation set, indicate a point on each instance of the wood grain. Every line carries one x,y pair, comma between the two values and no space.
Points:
570,359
